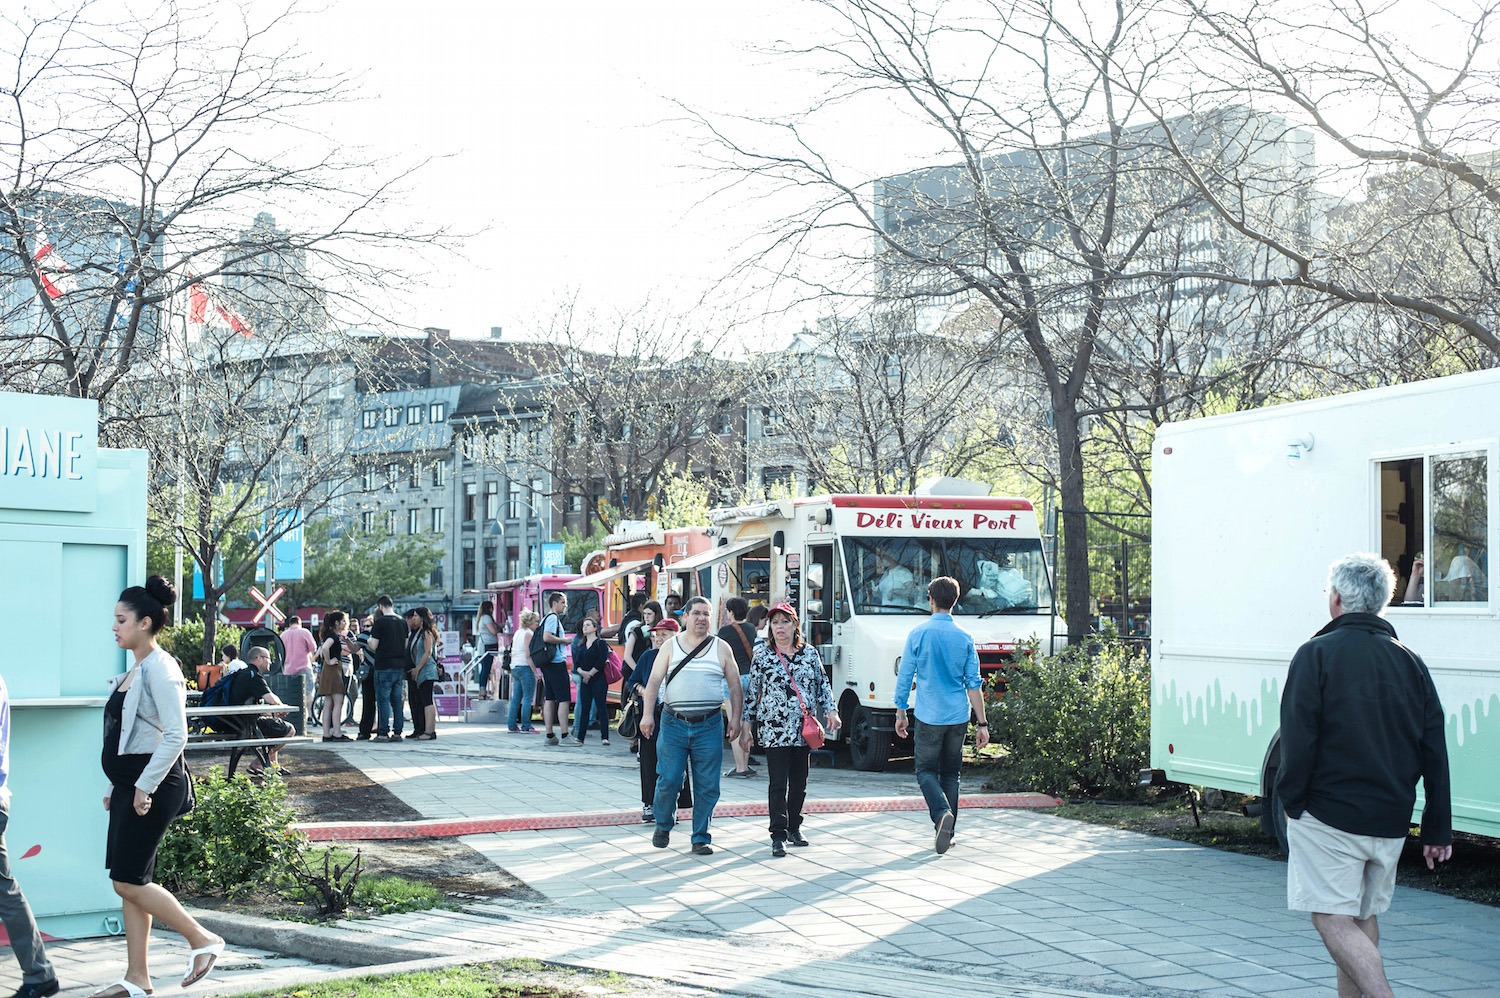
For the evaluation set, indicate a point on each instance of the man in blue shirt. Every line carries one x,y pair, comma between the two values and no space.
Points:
38,979
940,656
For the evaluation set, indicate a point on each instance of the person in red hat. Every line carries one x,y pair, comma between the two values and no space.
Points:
787,681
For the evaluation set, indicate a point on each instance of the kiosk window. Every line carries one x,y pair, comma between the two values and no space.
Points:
1435,528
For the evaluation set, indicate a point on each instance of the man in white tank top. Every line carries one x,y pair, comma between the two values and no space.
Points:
692,723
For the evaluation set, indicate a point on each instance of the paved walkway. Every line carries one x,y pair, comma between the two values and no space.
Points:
1025,904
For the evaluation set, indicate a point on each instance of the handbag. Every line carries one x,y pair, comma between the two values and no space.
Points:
189,799
629,724
812,729
613,668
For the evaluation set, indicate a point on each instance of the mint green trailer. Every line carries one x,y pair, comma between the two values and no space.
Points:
72,535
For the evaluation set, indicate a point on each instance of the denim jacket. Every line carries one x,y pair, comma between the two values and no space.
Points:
154,718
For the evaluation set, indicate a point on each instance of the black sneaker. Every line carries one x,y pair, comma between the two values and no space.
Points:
778,847
661,837
944,837
647,815
703,849
796,839
42,989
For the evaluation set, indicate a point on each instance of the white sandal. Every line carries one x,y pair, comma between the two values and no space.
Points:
127,990
192,976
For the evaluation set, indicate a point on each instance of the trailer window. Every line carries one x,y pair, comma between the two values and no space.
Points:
1435,528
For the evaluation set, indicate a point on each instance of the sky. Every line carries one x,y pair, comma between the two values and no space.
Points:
555,121
557,143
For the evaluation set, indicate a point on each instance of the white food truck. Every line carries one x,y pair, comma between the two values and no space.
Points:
1249,510
856,568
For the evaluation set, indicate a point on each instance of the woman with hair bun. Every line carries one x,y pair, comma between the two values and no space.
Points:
145,729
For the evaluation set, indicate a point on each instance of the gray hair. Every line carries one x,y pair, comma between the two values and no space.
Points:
1364,582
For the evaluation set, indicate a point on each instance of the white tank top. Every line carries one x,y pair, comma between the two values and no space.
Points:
699,687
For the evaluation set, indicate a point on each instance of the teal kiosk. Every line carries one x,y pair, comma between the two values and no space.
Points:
72,535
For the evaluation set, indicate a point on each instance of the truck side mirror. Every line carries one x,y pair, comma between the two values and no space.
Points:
815,576
815,607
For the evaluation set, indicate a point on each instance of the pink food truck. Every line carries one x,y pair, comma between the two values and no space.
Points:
514,596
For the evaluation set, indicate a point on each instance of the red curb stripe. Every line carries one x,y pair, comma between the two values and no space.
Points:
354,831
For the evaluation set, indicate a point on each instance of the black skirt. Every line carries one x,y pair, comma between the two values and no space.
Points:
130,849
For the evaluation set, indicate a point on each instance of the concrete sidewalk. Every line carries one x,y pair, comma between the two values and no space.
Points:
1020,893
1025,904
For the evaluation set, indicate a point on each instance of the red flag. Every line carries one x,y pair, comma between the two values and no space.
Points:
233,319
197,303
51,269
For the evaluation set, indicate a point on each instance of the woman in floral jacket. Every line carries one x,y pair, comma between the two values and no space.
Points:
786,676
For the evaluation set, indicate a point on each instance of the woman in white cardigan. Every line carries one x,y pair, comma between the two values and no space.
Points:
145,729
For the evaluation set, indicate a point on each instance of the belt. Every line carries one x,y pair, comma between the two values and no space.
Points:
691,718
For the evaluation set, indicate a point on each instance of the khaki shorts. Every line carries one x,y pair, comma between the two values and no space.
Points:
1336,872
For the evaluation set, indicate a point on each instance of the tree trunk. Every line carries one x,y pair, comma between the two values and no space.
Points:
210,621
1075,533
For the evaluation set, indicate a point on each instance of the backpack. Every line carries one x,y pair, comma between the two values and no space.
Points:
538,649
217,695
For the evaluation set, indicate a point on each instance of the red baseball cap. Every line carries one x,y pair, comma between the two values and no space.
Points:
666,625
783,607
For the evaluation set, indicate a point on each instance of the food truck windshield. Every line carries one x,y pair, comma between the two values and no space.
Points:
995,575
581,603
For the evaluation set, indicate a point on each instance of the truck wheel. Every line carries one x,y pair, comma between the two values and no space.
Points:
869,750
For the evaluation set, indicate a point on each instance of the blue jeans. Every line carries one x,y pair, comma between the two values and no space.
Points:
678,744
486,662
522,691
389,685
591,694
940,756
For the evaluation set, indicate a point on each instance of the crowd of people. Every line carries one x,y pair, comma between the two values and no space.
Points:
1361,723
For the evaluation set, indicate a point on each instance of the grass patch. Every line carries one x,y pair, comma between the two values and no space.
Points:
1472,875
389,895
506,979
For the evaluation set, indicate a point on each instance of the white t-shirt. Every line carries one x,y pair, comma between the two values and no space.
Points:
520,648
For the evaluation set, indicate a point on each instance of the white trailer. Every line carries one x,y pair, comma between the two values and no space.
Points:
856,568
1250,509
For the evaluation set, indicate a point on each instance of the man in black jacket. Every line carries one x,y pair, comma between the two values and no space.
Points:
1360,724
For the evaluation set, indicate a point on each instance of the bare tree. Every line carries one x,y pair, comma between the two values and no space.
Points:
633,401
871,403
134,152
248,437
1058,213
1412,181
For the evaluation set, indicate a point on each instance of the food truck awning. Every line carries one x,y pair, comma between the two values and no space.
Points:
608,575
717,555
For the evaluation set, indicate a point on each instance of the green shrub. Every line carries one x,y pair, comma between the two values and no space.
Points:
1078,721
239,836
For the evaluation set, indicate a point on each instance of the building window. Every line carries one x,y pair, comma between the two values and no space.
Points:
468,573
413,415
471,502
370,418
392,476
390,521
437,519
491,563
515,501
372,479
367,521
415,479
302,445
725,420
575,503
491,500
439,474
392,416
413,521
437,412
436,578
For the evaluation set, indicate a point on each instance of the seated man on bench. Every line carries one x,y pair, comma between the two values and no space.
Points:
248,686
